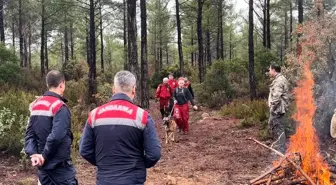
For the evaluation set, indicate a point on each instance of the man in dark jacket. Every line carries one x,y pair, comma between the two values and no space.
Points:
120,137
48,136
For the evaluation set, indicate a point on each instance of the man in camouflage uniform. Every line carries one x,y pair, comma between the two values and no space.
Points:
278,104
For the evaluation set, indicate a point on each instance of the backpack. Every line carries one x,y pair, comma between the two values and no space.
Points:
183,91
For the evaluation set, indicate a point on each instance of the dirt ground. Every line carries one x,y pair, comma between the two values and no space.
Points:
216,152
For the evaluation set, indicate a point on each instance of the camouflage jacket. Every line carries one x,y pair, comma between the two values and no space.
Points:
278,99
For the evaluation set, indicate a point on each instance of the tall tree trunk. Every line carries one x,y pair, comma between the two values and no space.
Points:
291,23
167,53
253,92
286,27
200,41
230,52
300,10
2,26
13,33
222,56
179,37
42,38
110,54
265,24
46,50
21,34
300,18
29,44
88,45
125,36
132,44
92,50
72,44
160,53
101,39
208,45
144,96
156,64
192,44
160,42
220,39
66,41
25,44
268,25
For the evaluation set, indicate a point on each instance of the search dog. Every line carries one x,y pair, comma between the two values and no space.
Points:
170,129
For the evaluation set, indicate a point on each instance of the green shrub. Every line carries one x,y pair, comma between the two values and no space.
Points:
32,81
13,119
104,93
75,91
9,67
17,101
216,89
75,70
12,129
251,113
242,109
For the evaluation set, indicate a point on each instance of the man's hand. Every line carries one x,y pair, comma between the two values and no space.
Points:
175,101
37,160
195,107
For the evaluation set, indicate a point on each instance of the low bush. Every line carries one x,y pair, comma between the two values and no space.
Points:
251,113
216,89
12,129
16,101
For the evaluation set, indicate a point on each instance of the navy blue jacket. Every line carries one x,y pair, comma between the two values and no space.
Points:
121,140
49,130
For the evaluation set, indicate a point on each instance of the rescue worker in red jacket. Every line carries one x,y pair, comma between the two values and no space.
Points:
172,82
182,97
187,85
120,138
164,94
48,136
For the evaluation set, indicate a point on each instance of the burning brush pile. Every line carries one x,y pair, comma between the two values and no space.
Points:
302,164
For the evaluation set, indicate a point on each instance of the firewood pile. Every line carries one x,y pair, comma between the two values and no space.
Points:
286,171
283,173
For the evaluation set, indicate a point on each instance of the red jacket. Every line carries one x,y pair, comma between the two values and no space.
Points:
173,84
163,91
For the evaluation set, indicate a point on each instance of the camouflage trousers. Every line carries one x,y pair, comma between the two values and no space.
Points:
276,125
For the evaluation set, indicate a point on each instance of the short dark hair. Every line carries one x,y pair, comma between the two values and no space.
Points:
54,78
276,67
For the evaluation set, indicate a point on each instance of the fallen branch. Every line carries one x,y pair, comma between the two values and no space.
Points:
263,181
268,172
269,179
289,160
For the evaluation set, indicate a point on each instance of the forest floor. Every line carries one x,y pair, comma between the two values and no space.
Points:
216,152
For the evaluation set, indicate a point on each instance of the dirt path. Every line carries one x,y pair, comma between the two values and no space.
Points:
215,152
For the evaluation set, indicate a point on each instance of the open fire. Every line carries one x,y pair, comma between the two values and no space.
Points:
303,163
305,140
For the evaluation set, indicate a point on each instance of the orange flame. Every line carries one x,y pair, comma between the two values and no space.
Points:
305,141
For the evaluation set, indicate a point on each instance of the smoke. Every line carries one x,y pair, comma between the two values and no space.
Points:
325,94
